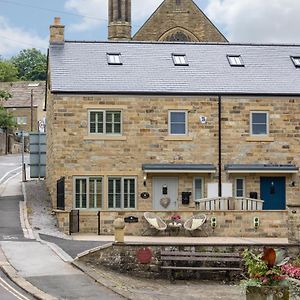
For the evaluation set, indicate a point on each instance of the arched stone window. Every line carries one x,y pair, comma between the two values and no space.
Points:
178,36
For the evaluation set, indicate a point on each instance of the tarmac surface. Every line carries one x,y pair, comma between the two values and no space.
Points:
73,248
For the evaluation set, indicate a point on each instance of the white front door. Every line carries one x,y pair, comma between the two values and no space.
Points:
165,193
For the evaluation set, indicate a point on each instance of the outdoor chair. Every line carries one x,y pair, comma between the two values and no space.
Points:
194,223
155,222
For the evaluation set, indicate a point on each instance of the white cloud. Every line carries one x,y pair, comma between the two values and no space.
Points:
268,21
95,12
14,39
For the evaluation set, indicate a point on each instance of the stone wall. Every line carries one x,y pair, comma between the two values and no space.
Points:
25,112
186,17
123,257
229,223
294,223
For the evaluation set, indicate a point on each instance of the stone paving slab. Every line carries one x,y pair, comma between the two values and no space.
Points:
150,289
184,240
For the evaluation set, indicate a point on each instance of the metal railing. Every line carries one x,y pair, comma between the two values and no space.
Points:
229,203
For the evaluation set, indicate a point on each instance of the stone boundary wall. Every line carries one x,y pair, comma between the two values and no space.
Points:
229,223
123,257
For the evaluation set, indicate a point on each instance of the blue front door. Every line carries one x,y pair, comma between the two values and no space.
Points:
272,191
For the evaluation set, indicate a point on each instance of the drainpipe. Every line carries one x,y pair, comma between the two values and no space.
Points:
220,143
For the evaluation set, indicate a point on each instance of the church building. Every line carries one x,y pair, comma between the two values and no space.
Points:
173,20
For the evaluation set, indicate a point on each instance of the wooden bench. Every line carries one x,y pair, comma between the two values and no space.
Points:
200,261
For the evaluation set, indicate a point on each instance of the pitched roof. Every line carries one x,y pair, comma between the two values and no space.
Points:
148,68
21,94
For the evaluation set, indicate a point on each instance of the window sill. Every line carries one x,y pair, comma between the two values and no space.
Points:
178,138
105,138
260,139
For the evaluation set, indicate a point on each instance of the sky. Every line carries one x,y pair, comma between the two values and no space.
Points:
25,23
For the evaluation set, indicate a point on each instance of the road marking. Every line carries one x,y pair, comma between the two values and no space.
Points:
11,171
11,290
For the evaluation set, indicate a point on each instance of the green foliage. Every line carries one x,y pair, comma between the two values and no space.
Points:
8,72
296,262
31,65
6,120
259,273
4,95
255,266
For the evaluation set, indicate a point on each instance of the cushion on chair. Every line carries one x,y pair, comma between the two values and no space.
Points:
153,222
196,223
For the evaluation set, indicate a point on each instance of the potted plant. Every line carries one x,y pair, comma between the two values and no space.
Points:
265,279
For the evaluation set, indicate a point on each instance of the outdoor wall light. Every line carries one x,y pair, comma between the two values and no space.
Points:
256,222
213,222
145,178
292,184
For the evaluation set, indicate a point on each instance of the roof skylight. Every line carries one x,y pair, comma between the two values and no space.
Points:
235,60
296,61
114,58
180,60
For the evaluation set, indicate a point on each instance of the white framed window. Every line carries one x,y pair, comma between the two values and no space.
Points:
105,122
88,192
178,122
21,120
114,58
239,187
121,192
179,59
296,61
259,123
198,188
235,60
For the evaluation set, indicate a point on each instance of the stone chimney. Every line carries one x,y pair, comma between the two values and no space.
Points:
119,20
57,32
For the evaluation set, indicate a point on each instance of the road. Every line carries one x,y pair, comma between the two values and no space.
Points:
9,291
10,165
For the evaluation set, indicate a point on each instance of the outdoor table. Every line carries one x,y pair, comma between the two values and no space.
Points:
174,227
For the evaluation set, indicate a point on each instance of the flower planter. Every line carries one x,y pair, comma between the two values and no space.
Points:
267,293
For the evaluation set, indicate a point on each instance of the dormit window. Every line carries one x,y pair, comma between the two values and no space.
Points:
121,192
114,58
105,122
178,123
259,123
296,61
88,192
179,60
235,60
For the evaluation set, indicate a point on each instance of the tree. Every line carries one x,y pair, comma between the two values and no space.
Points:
4,95
31,65
8,72
6,119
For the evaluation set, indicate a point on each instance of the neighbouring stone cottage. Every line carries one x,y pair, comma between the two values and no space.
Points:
210,127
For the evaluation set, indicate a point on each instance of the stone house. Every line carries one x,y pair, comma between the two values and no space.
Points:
27,107
211,127
173,20
26,104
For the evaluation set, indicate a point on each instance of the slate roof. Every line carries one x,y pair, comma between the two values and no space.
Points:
148,68
21,94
